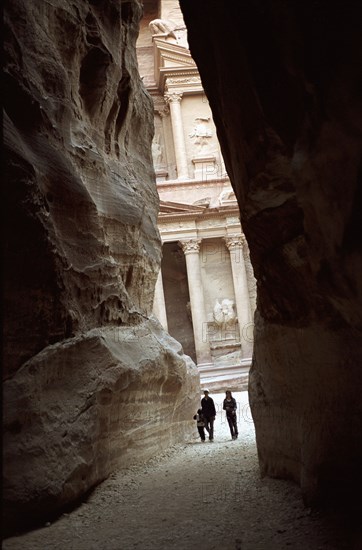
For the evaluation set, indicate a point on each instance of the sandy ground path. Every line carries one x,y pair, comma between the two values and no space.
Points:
194,496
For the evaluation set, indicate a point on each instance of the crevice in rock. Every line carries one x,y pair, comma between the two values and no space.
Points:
93,78
123,93
29,117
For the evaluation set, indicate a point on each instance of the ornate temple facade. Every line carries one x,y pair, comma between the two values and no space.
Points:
205,294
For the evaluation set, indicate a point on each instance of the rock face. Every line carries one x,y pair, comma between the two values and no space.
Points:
282,80
82,201
87,370
84,406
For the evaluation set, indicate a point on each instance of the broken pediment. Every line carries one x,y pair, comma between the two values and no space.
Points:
168,207
173,61
203,202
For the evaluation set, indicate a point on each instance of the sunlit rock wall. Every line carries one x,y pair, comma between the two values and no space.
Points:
82,253
283,81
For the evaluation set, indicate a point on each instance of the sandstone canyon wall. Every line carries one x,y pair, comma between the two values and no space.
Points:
91,380
283,80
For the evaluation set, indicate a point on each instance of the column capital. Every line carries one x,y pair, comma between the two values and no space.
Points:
235,241
163,111
173,97
190,246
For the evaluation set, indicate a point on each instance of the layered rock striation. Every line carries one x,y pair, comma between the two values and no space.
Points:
283,82
91,381
82,245
81,408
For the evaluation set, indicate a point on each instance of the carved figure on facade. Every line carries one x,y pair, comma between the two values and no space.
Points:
201,134
157,152
224,313
162,26
170,31
160,106
163,112
188,311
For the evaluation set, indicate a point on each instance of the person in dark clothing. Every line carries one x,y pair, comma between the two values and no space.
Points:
209,413
200,423
230,407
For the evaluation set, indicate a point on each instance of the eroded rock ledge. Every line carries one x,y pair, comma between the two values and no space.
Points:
283,82
91,381
87,405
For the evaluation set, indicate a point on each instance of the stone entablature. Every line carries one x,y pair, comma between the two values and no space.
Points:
201,216
214,226
176,185
190,83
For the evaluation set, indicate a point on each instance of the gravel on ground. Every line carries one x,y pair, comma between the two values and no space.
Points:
193,496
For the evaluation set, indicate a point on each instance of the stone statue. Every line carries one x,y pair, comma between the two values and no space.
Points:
157,151
188,311
224,314
169,30
162,26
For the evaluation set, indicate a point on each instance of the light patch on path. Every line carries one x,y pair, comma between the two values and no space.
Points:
194,496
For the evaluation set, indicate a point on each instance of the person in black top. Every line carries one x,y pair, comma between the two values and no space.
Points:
230,407
209,413
200,423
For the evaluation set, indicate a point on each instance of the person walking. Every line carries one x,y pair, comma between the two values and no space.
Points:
209,413
230,407
200,423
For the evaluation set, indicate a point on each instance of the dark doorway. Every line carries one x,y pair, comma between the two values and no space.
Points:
177,299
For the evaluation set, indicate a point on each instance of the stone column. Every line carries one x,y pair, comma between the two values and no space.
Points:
174,101
191,250
235,246
159,306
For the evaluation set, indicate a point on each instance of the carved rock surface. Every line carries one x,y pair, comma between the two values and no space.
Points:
91,382
283,81
82,244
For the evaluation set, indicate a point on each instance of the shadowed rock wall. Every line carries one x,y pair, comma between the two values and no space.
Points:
283,80
91,381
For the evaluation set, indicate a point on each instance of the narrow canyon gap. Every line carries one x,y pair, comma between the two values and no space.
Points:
284,83
82,254
83,250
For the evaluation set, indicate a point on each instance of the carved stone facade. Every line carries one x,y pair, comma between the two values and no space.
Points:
206,294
